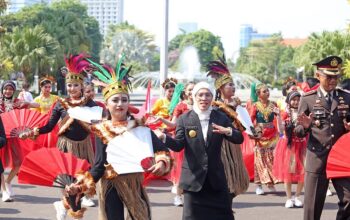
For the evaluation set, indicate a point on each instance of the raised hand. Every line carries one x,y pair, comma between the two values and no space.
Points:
304,120
221,130
346,125
157,169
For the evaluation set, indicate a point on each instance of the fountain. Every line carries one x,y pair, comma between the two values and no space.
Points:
189,70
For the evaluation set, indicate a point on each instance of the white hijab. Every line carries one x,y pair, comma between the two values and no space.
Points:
203,116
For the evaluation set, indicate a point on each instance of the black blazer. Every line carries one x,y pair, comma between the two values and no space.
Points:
202,160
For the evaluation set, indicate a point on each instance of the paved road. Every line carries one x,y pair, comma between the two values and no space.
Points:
35,203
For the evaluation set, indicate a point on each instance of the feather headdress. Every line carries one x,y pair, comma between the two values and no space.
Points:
219,71
113,80
76,65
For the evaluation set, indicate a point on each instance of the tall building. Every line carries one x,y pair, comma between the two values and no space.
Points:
187,27
16,5
106,12
248,34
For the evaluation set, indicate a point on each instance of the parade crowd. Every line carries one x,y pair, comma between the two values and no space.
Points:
198,136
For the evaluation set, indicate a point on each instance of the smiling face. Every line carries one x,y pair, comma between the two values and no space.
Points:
8,91
118,106
294,103
203,99
74,90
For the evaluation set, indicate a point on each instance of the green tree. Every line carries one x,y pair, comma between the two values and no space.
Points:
3,6
268,60
65,20
137,45
321,45
206,44
31,50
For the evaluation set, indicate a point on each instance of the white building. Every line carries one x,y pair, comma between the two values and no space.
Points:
16,5
106,12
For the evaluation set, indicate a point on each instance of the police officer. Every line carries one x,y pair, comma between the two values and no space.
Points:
323,115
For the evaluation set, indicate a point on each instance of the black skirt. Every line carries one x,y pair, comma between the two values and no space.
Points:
207,204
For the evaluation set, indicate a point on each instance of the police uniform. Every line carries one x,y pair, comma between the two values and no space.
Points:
326,128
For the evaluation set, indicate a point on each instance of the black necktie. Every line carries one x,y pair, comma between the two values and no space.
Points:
329,99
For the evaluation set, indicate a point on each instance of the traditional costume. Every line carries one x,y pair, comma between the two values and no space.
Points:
161,106
289,159
231,154
263,116
120,149
73,134
45,102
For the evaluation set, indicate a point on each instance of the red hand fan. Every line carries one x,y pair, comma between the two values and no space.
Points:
147,163
20,120
50,167
152,122
338,162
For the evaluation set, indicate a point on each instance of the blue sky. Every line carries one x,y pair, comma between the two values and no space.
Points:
296,18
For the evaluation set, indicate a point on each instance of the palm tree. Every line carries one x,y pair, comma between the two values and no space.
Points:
137,46
3,6
31,50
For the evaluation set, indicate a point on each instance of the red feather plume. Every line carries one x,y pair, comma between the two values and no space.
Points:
217,67
77,63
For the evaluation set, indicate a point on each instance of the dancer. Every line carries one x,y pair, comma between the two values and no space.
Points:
231,154
290,153
200,133
120,178
263,113
11,153
73,135
161,106
45,100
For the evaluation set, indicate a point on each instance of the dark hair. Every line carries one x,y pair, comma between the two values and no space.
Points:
182,95
345,84
287,86
312,81
217,94
88,84
169,85
25,86
45,82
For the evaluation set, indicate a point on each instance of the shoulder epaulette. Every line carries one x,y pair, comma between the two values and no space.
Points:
343,90
309,92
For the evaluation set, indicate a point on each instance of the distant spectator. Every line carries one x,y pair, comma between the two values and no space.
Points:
25,95
61,82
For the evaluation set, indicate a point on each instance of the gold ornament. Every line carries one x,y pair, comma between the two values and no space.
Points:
192,133
317,123
334,63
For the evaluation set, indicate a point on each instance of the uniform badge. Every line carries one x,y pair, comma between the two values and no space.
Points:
334,62
192,133
317,123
